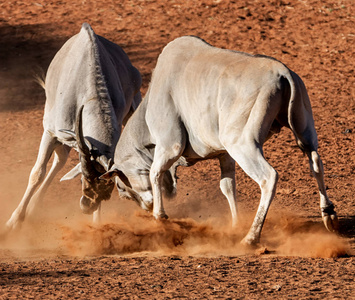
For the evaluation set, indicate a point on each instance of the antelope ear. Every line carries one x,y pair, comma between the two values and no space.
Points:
72,173
110,175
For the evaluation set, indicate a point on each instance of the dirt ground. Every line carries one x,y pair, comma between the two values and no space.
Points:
59,254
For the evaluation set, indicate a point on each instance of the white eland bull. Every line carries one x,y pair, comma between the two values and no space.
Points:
204,102
92,71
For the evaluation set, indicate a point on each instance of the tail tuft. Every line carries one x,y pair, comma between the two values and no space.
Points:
39,77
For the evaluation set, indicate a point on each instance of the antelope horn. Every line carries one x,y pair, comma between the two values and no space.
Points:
87,165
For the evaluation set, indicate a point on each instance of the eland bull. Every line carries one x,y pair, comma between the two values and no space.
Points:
93,72
204,102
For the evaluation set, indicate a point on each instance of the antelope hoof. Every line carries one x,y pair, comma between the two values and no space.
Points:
250,242
11,225
330,219
331,222
161,216
15,221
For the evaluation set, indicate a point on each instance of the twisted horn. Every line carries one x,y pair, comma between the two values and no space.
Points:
87,165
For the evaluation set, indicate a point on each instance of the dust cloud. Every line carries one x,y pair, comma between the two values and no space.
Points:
141,233
294,236
56,230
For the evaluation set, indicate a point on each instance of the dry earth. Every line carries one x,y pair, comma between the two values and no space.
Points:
58,254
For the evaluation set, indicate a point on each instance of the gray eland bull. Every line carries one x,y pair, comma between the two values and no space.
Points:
204,102
93,72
